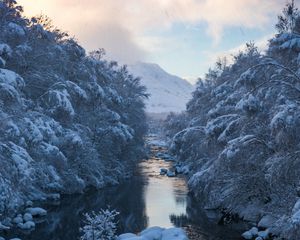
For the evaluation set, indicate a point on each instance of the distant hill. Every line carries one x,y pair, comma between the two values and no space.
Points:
169,93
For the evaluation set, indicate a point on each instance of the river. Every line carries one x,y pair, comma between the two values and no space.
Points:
147,199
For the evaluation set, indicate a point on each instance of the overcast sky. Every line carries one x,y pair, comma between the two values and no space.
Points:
185,37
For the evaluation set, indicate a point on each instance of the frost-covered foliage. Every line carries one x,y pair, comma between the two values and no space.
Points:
241,134
68,120
100,226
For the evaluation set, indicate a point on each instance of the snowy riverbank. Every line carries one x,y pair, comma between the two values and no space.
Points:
156,233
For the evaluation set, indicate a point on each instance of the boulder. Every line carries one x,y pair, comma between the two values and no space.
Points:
18,219
179,170
29,203
27,217
171,174
267,221
126,236
152,233
163,171
263,234
27,225
36,212
254,231
247,235
53,196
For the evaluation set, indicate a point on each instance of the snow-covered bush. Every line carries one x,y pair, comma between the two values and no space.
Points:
100,226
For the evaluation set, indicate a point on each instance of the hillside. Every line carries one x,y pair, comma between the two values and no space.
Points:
169,93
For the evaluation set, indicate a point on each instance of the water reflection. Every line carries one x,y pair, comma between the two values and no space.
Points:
148,199
64,220
164,197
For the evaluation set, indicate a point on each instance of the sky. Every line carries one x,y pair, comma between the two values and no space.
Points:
185,37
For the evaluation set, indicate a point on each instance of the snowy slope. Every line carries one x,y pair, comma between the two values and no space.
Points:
169,93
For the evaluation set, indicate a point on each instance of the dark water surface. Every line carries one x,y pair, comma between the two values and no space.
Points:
148,199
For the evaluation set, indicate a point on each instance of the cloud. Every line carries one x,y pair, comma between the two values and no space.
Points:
115,39
211,56
118,25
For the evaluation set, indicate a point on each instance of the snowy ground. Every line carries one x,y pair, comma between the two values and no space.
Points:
156,233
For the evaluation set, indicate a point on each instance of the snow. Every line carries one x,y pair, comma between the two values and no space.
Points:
9,93
173,234
246,78
293,44
27,225
263,234
135,238
11,78
27,217
21,159
32,132
168,93
219,124
254,231
122,131
171,174
247,235
60,99
36,212
44,147
13,129
53,196
284,116
2,62
16,29
296,217
296,207
267,221
23,49
5,50
3,227
49,129
152,233
29,203
18,219
250,104
126,236
96,90
157,142
74,89
113,96
231,152
296,212
156,233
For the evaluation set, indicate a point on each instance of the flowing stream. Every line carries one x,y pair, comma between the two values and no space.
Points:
147,199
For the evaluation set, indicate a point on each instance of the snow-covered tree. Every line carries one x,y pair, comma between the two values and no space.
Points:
289,19
100,226
240,136
68,119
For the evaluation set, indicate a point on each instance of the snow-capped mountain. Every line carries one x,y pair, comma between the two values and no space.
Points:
169,93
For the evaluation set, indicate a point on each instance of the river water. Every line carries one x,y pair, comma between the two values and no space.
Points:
147,199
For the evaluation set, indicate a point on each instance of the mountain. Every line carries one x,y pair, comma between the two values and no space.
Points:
169,93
